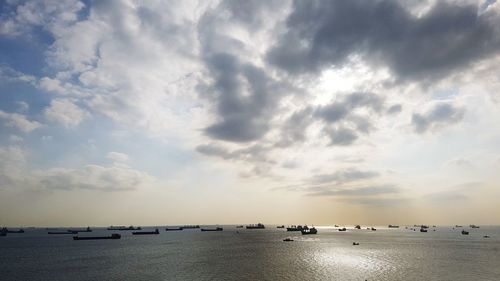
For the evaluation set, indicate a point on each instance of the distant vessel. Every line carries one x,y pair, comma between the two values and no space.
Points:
336,226
393,226
473,226
288,239
212,229
75,231
122,228
112,236
343,229
423,229
173,228
486,236
294,228
456,225
306,230
190,226
6,230
146,232
357,226
355,243
373,229
61,232
239,226
255,226
280,226
464,232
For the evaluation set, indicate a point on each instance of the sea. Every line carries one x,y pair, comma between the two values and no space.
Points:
442,253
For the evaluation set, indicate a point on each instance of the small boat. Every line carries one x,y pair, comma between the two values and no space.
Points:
146,232
486,236
288,239
473,226
255,226
423,230
355,243
212,229
343,229
424,226
124,228
280,226
464,232
307,231
357,227
373,229
239,226
393,226
173,228
112,236
456,225
294,228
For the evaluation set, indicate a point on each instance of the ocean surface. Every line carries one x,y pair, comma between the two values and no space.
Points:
241,254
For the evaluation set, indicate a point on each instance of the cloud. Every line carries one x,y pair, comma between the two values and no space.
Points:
394,109
385,33
12,162
93,177
117,157
364,191
65,112
14,173
254,153
48,14
460,192
19,122
440,115
343,176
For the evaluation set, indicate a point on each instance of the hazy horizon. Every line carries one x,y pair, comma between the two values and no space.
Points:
227,112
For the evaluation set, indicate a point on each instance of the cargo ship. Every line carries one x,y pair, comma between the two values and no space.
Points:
212,229
294,228
306,230
393,226
122,228
61,232
6,230
255,226
80,230
112,236
190,226
173,228
146,232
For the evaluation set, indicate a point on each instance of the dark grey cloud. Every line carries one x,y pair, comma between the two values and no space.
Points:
322,34
244,95
295,127
440,115
253,153
394,109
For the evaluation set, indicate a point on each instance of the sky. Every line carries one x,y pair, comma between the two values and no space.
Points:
218,112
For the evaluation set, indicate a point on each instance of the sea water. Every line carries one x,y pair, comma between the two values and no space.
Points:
259,254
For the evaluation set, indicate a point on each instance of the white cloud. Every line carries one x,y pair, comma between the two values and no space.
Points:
95,177
19,121
14,173
117,157
65,112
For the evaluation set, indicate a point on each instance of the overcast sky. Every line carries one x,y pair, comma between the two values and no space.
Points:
318,112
